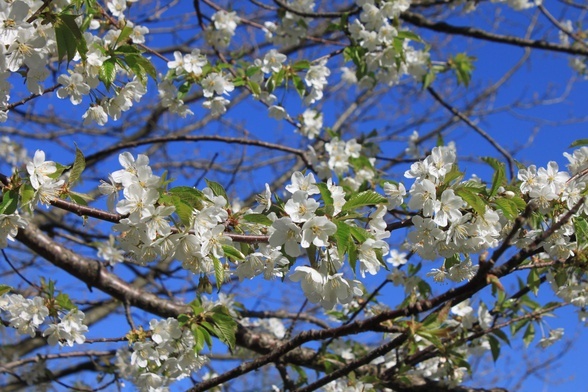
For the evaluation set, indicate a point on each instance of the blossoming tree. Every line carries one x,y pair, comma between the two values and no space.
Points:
195,192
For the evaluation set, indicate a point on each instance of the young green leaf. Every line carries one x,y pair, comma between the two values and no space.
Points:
78,167
224,328
219,272
473,200
362,199
233,253
257,218
499,176
9,202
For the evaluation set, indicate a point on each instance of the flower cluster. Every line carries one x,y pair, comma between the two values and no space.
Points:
444,226
374,31
31,45
27,315
548,187
70,329
224,25
293,27
155,362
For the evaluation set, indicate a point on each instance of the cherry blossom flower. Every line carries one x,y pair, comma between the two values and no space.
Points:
264,199
395,194
69,330
312,122
312,282
74,87
12,20
216,83
39,169
423,197
137,200
300,208
317,231
272,61
449,208
95,113
286,233
216,105
396,258
303,183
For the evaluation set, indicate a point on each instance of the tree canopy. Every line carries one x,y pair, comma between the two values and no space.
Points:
288,195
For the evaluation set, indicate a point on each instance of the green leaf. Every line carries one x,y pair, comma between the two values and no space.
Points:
184,89
198,337
452,261
352,255
196,306
4,289
188,195
463,66
225,329
140,66
362,199
499,176
132,61
360,234
78,167
218,190
9,202
299,85
64,302
27,193
325,193
579,142
529,334
69,38
126,49
406,34
79,198
233,253
107,72
183,319
124,34
219,272
252,71
580,229
184,211
473,186
207,337
301,65
255,89
428,79
501,335
473,200
533,281
257,218
59,170
66,43
508,207
342,237
454,175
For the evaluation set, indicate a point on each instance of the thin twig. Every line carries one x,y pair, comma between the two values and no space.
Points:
510,160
